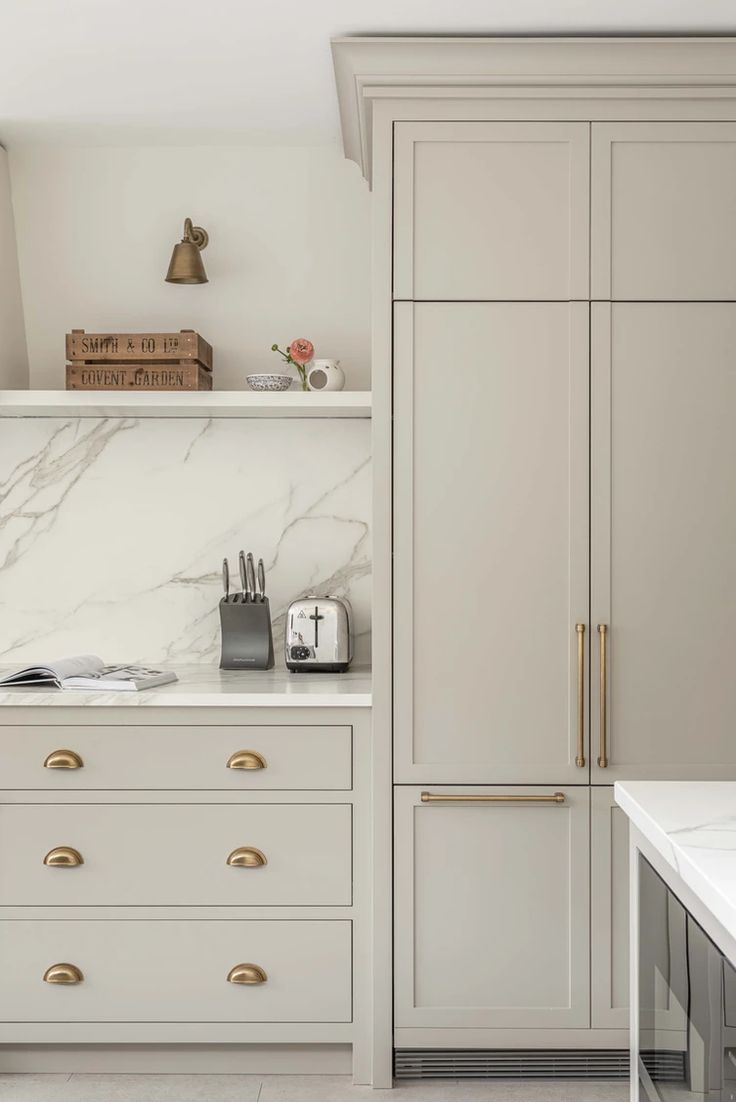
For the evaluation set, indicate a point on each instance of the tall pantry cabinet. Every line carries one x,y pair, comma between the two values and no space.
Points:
555,392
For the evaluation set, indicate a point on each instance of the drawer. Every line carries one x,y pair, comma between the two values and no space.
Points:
176,854
158,757
176,971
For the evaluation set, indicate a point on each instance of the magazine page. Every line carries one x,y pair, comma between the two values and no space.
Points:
54,671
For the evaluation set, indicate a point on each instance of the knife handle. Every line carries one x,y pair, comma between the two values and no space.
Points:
251,577
243,574
226,578
261,580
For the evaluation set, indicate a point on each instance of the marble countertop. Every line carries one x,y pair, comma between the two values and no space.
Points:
206,687
692,825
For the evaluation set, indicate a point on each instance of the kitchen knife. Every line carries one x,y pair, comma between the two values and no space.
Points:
261,581
226,578
250,573
243,576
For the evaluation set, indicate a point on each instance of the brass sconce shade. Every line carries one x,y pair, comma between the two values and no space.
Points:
186,260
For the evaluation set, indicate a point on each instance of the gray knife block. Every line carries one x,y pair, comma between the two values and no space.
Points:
247,637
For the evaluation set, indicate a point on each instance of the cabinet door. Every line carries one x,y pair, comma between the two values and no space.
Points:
609,891
664,537
490,540
491,910
491,210
663,210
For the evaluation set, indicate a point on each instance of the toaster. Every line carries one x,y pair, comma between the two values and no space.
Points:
319,635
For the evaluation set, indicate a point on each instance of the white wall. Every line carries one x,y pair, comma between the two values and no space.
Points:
13,356
288,254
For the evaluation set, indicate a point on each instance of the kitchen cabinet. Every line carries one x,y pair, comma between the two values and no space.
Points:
553,291
149,849
663,210
663,537
177,971
492,907
491,540
609,903
492,210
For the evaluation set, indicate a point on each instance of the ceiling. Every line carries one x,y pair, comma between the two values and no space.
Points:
246,71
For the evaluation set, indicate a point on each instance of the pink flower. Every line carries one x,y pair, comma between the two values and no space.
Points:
301,351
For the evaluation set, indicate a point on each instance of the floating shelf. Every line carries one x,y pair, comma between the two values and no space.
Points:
216,403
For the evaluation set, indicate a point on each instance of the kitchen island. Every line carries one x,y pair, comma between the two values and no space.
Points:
683,938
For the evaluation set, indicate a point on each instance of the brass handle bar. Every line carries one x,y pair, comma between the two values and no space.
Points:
63,759
434,797
580,759
603,636
246,759
63,973
250,974
63,857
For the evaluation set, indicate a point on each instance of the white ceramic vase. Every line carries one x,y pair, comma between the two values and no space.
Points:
325,375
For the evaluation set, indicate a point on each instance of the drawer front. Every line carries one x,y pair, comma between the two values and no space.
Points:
175,854
303,757
176,971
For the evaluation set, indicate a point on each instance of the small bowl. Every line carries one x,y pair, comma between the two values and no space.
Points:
269,382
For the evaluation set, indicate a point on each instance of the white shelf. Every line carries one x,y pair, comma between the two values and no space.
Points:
216,403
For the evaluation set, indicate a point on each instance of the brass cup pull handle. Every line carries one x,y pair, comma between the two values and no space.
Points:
63,973
251,974
63,857
63,759
580,759
246,759
456,798
247,857
602,638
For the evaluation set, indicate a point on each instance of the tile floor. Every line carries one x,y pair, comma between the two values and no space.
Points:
288,1088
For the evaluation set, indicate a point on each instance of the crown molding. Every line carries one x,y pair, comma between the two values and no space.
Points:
369,68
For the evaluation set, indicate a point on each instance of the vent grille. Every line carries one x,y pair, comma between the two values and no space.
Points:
446,1063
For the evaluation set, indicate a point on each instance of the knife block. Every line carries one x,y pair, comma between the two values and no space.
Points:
247,636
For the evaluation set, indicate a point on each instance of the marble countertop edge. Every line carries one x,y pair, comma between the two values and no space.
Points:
207,687
692,826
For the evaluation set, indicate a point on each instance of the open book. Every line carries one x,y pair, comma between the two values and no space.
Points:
87,671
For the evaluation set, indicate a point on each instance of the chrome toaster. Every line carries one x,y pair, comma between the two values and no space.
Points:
319,635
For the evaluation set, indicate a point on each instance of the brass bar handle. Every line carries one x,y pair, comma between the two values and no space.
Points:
434,797
247,973
580,759
63,759
63,973
246,759
247,857
63,857
602,637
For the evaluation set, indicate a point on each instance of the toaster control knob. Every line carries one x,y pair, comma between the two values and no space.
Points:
300,653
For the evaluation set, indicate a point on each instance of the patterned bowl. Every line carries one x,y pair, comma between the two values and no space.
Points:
269,382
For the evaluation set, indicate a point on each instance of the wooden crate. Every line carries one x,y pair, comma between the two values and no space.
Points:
138,348
141,376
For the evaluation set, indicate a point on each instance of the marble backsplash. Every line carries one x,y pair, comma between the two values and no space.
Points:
113,531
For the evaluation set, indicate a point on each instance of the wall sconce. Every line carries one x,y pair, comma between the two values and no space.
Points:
186,260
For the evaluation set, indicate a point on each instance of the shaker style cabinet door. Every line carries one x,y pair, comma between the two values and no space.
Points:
491,210
609,905
491,908
490,541
663,210
663,540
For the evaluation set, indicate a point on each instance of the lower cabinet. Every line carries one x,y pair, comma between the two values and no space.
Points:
175,971
492,907
609,912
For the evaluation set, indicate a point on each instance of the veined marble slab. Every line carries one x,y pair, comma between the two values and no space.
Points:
692,825
203,686
113,531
